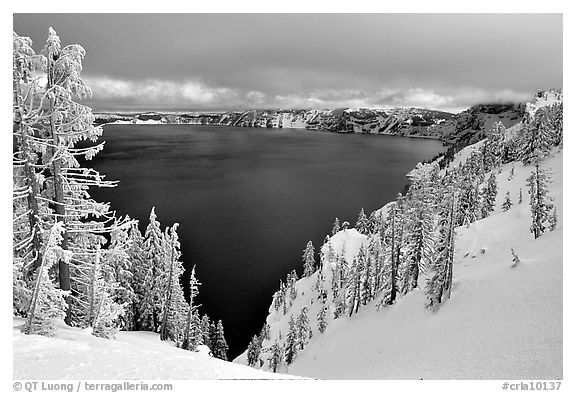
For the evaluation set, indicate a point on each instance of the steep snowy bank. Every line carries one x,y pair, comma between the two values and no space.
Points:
500,322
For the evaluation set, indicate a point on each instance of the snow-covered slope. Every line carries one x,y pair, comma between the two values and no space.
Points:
74,353
500,322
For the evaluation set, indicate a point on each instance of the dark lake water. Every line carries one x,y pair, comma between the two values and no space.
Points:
249,199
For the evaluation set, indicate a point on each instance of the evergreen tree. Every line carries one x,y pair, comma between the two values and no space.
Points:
50,184
494,147
174,305
440,284
138,263
507,202
540,202
553,220
489,193
308,259
322,322
353,287
253,351
291,346
205,325
303,329
538,138
520,197
515,258
336,226
275,358
362,222
193,332
150,304
47,305
220,350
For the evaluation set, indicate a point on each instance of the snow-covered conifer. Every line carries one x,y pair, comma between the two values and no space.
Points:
220,349
336,226
540,202
362,222
275,358
47,304
489,193
290,347
538,138
322,314
253,351
303,328
507,202
520,196
308,259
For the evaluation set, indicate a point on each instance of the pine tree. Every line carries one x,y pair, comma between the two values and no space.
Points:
494,147
47,305
362,222
139,266
150,304
291,346
336,227
205,324
439,285
275,358
308,259
538,138
322,322
220,350
520,197
553,220
515,258
193,333
253,351
489,193
507,202
303,329
173,304
49,179
353,287
540,202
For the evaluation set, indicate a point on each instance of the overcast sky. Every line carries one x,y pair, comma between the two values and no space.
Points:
239,61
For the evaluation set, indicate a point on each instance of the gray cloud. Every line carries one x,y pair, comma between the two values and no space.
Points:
221,61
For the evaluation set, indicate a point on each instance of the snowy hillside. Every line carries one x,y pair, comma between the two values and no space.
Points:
500,322
76,354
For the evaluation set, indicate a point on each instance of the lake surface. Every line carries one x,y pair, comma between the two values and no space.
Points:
249,199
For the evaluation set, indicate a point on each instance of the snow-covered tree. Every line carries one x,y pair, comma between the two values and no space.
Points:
192,329
336,226
321,316
362,222
220,349
50,183
153,287
520,197
515,258
275,358
308,259
205,324
47,305
540,202
439,285
507,202
494,147
489,193
553,220
538,138
174,305
253,351
291,345
304,331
